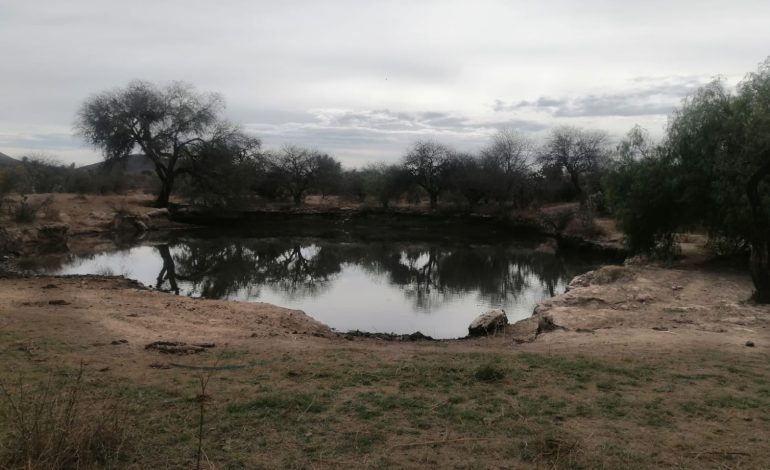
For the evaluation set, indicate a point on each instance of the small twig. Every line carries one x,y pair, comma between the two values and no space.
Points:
720,452
443,441
301,415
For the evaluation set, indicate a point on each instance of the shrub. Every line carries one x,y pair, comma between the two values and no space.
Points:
56,427
489,373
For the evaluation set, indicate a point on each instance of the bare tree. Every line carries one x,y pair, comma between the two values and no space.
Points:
577,151
430,164
168,124
297,169
507,160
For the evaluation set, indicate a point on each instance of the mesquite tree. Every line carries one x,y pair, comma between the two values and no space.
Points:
169,124
430,164
576,151
721,142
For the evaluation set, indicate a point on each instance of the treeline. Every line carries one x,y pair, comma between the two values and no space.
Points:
39,174
510,172
708,173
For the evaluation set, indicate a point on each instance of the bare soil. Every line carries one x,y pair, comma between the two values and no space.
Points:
637,366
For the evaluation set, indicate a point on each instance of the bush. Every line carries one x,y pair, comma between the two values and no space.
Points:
644,196
55,427
23,213
489,373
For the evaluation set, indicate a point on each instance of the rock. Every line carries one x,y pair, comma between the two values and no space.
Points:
130,223
605,275
545,324
162,212
549,246
488,323
174,347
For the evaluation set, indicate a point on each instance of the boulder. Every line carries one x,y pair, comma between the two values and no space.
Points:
488,323
161,212
130,223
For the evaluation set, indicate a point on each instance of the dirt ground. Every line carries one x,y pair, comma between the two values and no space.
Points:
636,366
649,367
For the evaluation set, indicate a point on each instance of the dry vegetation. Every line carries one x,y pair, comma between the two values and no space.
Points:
284,392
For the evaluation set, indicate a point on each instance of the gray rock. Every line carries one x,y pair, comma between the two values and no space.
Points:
162,212
488,323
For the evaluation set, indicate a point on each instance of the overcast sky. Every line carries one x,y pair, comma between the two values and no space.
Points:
362,80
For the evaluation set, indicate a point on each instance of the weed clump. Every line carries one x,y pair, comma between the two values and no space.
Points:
489,373
57,427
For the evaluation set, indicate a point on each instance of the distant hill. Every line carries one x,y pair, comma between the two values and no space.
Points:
5,160
135,163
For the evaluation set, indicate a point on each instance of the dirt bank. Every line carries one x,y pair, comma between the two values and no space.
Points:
647,367
636,366
63,222
636,307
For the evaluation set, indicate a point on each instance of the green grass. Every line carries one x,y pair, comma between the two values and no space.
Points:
352,408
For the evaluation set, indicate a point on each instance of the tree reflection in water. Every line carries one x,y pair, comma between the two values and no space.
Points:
428,274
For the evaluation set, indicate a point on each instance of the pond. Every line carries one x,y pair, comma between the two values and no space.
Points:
436,287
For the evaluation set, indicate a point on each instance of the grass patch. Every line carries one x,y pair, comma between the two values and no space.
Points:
489,373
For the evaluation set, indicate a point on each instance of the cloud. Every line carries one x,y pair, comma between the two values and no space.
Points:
648,97
364,136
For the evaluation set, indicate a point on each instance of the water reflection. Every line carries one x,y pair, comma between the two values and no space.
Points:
386,286
428,274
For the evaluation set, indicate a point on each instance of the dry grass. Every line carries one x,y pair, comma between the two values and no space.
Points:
59,424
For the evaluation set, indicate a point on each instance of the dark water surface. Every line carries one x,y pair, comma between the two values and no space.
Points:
388,286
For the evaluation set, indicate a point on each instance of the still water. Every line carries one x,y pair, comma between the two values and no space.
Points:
387,286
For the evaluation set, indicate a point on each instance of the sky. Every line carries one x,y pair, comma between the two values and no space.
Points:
362,80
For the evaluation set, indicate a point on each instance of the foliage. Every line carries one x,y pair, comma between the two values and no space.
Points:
506,166
708,172
171,125
297,169
385,182
643,190
578,152
58,426
328,175
223,171
430,165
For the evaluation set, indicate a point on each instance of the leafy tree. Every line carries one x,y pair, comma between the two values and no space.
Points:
472,179
223,170
722,144
328,178
354,184
712,171
643,188
169,124
385,182
577,151
430,164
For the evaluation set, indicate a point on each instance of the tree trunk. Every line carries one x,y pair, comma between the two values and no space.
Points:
574,177
759,262
298,199
433,200
759,266
165,192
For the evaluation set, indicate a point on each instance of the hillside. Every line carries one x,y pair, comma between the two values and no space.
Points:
135,163
5,160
